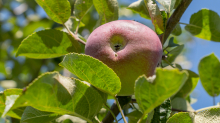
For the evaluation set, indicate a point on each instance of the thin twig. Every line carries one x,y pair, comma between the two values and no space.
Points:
74,36
77,28
175,18
120,109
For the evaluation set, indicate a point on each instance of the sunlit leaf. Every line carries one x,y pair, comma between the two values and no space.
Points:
155,15
150,92
107,9
182,117
7,99
81,7
48,44
211,115
93,71
58,10
52,92
167,4
205,24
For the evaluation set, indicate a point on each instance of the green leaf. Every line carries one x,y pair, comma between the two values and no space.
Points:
211,115
140,8
32,26
2,67
182,117
205,24
52,92
155,15
189,85
58,10
48,44
150,92
7,99
181,104
171,43
134,116
107,9
171,55
81,7
32,115
209,69
174,53
167,4
177,30
162,112
93,71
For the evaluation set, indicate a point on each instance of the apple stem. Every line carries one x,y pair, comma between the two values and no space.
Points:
110,112
120,109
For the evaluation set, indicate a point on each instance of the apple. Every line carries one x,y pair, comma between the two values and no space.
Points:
129,48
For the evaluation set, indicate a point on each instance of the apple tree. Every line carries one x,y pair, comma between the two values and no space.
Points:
64,74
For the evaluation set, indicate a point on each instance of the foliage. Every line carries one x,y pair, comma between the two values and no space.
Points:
46,58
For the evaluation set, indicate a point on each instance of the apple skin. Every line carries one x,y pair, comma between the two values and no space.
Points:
130,48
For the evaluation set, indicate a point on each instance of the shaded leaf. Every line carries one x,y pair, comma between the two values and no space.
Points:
167,4
155,15
50,44
205,24
171,43
107,9
189,85
209,72
174,53
32,115
81,7
52,92
58,10
93,71
177,30
150,92
181,104
134,116
140,8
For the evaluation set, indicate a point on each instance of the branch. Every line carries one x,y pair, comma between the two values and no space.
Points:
175,18
109,118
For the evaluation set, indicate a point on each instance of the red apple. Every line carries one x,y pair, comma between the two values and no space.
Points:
130,48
